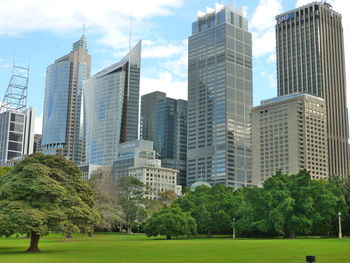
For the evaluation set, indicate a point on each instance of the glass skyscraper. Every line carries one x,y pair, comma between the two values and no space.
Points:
164,121
111,108
62,116
220,99
310,59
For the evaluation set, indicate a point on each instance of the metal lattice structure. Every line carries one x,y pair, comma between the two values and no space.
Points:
16,94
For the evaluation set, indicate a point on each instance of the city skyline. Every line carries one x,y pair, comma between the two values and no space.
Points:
165,47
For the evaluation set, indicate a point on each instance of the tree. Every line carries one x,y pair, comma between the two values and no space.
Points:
106,200
5,170
131,192
167,197
45,193
171,221
288,205
211,208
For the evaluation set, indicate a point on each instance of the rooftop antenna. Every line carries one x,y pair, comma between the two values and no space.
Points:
16,93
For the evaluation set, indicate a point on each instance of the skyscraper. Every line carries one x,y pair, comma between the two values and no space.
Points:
111,107
164,121
16,121
16,134
62,116
310,59
220,98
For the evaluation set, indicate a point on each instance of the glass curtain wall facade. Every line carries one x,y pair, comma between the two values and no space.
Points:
62,115
164,121
310,59
111,108
220,99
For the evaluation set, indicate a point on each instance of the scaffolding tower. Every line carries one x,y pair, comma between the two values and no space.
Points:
16,94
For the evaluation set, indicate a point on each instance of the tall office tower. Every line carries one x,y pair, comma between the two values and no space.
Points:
164,121
62,116
111,106
289,135
310,59
16,121
16,134
220,99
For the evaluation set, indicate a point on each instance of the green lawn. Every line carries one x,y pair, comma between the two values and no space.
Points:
121,248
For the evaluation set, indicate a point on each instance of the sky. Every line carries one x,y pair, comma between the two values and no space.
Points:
37,32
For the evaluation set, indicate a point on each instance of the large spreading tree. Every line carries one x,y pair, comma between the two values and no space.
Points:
171,221
45,193
131,195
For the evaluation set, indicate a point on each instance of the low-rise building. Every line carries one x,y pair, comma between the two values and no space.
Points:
137,159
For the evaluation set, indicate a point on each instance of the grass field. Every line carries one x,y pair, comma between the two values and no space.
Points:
121,248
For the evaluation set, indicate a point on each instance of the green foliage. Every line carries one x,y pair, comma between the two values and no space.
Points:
212,208
45,193
288,205
5,170
130,193
171,221
106,200
167,197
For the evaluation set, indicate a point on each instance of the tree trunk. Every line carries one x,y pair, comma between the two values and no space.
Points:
129,230
34,242
168,236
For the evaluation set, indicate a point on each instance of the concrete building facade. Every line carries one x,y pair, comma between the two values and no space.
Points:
290,134
138,159
16,134
310,59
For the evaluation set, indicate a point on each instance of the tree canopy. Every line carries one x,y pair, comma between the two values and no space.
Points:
171,221
5,170
45,193
288,205
131,194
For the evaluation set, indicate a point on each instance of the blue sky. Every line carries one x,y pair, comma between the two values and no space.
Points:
45,30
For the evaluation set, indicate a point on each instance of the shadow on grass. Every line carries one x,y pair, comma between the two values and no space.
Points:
20,250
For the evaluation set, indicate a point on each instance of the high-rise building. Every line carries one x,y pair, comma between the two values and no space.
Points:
138,159
111,107
289,134
164,121
63,116
220,98
16,121
16,134
310,59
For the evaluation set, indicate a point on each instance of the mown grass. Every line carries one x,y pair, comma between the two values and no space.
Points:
121,248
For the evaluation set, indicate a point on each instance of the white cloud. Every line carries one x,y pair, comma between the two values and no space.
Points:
38,125
110,18
263,17
264,43
165,82
263,27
